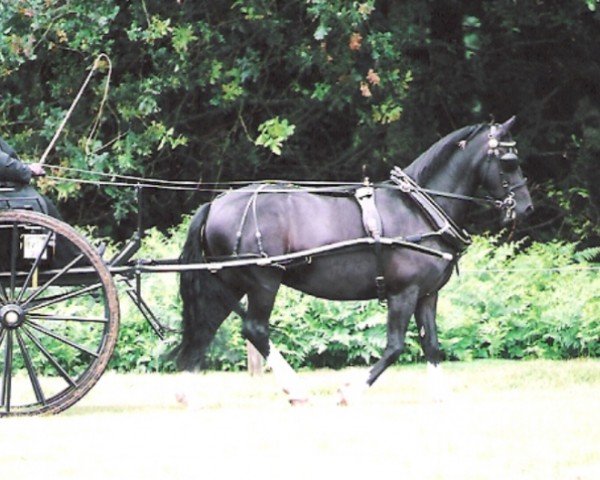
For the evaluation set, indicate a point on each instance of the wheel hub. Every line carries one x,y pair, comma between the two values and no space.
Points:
12,316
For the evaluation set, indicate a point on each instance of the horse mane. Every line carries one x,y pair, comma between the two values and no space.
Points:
437,155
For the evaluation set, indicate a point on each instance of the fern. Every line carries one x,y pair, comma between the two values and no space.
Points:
591,254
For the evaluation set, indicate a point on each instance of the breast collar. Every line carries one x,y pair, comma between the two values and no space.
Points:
446,227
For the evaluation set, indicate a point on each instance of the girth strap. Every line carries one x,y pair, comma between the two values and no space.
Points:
374,228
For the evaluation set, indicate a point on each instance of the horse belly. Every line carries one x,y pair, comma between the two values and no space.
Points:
351,276
343,276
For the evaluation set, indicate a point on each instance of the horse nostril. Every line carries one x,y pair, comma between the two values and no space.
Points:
529,210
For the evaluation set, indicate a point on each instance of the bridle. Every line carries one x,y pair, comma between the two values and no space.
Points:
507,160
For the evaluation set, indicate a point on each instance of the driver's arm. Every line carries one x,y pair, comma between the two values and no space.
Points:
13,170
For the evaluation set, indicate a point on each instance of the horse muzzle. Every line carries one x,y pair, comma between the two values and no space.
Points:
512,210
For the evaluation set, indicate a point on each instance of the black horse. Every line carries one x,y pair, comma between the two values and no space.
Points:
270,221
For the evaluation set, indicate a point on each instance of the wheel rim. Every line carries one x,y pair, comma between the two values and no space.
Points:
59,315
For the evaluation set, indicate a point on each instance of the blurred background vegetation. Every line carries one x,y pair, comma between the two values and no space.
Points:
215,90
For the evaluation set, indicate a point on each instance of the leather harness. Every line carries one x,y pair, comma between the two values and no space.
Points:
365,196
444,227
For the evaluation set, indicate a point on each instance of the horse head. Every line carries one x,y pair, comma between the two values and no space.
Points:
501,175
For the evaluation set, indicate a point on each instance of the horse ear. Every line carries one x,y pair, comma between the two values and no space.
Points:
506,126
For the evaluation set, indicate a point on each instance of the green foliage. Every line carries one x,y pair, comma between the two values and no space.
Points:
205,89
510,301
139,348
273,133
522,304
219,90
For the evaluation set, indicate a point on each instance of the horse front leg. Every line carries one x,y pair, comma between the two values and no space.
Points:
401,306
425,314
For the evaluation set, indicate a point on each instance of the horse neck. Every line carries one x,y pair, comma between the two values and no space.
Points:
457,176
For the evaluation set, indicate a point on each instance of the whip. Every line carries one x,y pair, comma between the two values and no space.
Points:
59,130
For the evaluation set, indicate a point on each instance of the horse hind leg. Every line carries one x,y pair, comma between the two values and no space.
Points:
400,308
256,330
203,315
286,377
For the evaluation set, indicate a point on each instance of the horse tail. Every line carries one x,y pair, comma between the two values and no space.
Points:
206,299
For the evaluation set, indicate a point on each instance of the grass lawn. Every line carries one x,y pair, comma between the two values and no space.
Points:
502,420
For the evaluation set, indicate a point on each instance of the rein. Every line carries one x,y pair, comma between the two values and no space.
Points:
455,196
487,200
318,187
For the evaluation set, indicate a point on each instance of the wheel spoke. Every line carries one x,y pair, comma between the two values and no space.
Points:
37,389
7,374
14,248
45,302
44,287
61,338
65,318
35,265
3,294
50,358
70,317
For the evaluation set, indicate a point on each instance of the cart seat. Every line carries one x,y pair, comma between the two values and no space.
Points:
12,198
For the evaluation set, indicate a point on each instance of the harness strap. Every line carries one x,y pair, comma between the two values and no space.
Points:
370,215
372,224
238,237
448,229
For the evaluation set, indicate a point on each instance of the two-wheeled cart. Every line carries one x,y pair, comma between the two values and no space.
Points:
59,305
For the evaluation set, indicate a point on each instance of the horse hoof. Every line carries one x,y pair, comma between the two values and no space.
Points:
350,394
346,396
343,400
181,399
437,386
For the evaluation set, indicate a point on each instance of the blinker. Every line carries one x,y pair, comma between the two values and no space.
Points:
509,157
510,161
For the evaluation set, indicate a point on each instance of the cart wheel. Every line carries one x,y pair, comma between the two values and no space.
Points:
59,314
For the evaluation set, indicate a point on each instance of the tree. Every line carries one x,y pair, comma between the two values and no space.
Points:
220,91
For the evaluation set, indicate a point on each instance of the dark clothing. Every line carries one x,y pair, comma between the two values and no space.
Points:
12,170
16,193
14,180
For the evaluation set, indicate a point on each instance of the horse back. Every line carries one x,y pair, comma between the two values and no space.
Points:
285,222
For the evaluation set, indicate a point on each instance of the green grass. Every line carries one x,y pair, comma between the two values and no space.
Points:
503,420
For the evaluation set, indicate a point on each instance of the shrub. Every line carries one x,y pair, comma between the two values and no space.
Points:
509,301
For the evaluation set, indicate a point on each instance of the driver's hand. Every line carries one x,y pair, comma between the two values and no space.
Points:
37,169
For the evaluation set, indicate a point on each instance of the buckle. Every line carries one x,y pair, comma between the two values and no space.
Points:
363,192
